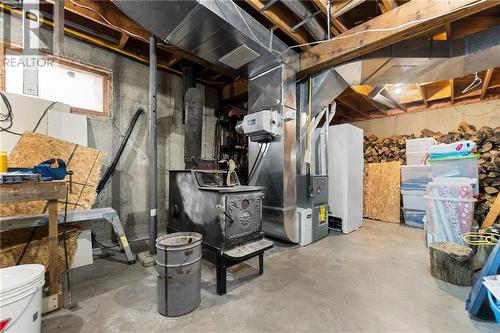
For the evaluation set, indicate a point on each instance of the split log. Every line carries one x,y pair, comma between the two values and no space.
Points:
452,263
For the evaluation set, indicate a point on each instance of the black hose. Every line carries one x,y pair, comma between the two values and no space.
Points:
111,170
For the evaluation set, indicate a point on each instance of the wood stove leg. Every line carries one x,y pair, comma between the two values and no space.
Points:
261,263
221,274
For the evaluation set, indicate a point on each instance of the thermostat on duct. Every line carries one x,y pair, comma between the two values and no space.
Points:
260,126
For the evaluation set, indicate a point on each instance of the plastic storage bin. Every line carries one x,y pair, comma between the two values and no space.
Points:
414,218
419,145
448,218
415,176
465,166
415,158
413,199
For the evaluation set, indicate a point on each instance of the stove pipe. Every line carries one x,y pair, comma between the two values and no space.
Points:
192,118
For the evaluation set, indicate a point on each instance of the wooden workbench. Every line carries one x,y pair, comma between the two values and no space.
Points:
34,191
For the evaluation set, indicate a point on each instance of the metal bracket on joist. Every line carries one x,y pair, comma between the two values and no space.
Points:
304,21
269,4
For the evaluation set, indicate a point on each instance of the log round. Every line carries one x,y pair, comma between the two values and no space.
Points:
452,263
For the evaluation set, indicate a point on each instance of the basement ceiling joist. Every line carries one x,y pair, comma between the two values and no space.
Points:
280,17
412,18
103,24
420,97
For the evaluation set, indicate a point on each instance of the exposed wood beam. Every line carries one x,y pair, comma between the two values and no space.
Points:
389,4
447,28
382,8
403,22
174,60
123,40
107,14
351,106
236,90
337,26
374,104
486,82
339,8
452,89
422,94
277,16
215,77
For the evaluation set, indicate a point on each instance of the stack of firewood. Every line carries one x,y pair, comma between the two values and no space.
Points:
488,145
386,149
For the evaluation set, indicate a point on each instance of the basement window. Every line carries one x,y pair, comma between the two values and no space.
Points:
84,88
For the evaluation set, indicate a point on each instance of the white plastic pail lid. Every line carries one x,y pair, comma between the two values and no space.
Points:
15,277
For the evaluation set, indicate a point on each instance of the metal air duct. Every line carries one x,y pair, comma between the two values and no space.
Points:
418,61
308,18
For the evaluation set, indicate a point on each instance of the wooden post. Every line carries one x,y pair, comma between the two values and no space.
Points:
53,284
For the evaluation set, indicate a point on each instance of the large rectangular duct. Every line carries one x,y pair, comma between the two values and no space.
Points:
209,29
274,89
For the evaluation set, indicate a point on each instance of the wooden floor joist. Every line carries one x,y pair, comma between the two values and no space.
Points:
403,22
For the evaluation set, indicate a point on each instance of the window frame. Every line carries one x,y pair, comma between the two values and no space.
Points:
106,76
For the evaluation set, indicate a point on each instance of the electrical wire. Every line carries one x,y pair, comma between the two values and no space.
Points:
106,20
8,117
51,105
385,29
100,244
255,162
115,26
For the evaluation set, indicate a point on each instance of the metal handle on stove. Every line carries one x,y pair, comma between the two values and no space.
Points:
221,210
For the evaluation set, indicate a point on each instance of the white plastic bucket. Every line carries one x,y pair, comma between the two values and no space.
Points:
21,298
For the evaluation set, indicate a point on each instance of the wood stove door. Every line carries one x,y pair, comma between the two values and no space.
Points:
246,211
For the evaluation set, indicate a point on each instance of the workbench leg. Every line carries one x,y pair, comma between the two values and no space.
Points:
221,274
261,263
122,238
53,284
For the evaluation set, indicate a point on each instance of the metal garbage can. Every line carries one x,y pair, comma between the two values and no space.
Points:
178,268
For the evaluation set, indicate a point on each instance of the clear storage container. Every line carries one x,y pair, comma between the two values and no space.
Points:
411,174
419,145
414,218
413,199
448,218
465,166
416,158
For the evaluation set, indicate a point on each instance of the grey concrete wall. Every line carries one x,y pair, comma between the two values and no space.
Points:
485,113
127,192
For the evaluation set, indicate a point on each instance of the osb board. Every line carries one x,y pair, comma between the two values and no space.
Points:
85,163
382,200
365,187
13,242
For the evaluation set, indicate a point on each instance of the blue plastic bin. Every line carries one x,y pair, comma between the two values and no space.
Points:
495,307
414,218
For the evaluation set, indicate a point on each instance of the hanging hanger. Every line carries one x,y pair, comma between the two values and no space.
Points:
475,83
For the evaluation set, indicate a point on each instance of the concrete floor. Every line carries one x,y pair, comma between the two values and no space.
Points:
376,280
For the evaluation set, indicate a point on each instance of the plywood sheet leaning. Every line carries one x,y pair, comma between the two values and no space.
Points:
14,242
86,164
382,193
